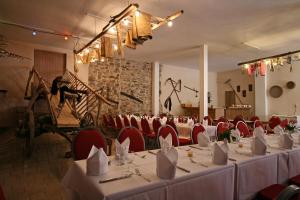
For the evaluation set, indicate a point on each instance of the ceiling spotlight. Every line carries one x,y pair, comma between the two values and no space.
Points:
137,13
115,47
170,23
66,38
34,33
125,22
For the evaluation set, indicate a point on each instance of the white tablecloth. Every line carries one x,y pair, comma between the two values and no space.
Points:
184,130
198,183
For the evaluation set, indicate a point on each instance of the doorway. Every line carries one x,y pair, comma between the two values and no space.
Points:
229,98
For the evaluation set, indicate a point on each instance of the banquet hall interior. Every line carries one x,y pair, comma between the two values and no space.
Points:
149,100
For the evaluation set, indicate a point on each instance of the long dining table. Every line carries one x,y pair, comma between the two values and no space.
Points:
241,178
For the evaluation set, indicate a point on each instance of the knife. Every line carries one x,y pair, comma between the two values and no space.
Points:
196,147
116,178
152,152
183,169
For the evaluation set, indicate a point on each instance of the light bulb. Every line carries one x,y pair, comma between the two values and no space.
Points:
79,61
246,66
125,22
80,54
170,23
115,47
97,46
34,33
87,51
66,38
112,30
102,59
137,13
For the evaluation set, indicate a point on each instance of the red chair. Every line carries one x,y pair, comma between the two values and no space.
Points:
209,119
222,119
156,125
258,123
105,121
182,140
171,123
274,121
284,123
119,122
198,128
1,194
271,192
243,128
137,142
221,128
238,119
126,121
180,119
84,141
254,118
134,123
146,129
111,122
164,131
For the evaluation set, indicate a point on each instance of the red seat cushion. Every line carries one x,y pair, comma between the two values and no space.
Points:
184,141
271,192
295,180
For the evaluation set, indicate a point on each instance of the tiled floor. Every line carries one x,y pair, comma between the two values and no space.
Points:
35,178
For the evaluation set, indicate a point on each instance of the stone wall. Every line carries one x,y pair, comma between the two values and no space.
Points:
114,76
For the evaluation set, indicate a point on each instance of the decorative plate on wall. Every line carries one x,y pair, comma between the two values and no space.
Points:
290,84
276,91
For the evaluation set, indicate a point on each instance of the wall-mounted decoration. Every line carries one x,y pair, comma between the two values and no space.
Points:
276,91
250,87
244,93
208,97
192,89
238,88
291,85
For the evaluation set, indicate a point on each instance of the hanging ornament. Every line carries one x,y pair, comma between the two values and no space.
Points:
262,68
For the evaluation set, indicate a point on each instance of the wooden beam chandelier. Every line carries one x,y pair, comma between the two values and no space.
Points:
130,28
261,65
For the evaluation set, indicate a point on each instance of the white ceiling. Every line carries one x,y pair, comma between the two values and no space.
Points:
226,26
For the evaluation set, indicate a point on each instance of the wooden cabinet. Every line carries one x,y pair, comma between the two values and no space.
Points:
231,113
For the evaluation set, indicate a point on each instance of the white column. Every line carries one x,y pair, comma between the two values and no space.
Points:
155,88
261,97
203,80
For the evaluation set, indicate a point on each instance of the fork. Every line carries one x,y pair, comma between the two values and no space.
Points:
199,163
137,172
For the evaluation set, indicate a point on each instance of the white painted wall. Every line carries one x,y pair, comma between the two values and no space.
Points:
14,74
190,78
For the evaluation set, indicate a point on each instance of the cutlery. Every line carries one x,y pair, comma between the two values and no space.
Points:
199,163
183,169
152,152
196,147
116,178
141,156
232,159
137,172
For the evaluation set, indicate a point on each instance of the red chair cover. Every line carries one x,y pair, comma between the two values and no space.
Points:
198,128
238,119
146,128
284,123
164,131
119,122
258,123
84,141
156,125
126,121
222,119
105,121
270,192
1,194
274,121
254,118
209,120
111,121
222,127
137,142
243,128
134,123
171,123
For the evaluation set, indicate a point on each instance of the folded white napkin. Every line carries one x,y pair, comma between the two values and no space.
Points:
285,141
166,163
235,133
175,120
278,130
203,139
220,154
165,143
163,121
97,162
190,122
258,145
259,131
122,149
205,123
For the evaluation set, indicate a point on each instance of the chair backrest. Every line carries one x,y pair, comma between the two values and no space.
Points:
105,121
111,122
1,194
145,126
274,121
134,123
222,127
243,128
258,123
237,119
164,131
197,128
209,119
284,123
171,123
222,119
84,141
180,119
254,118
126,121
156,125
119,122
136,138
